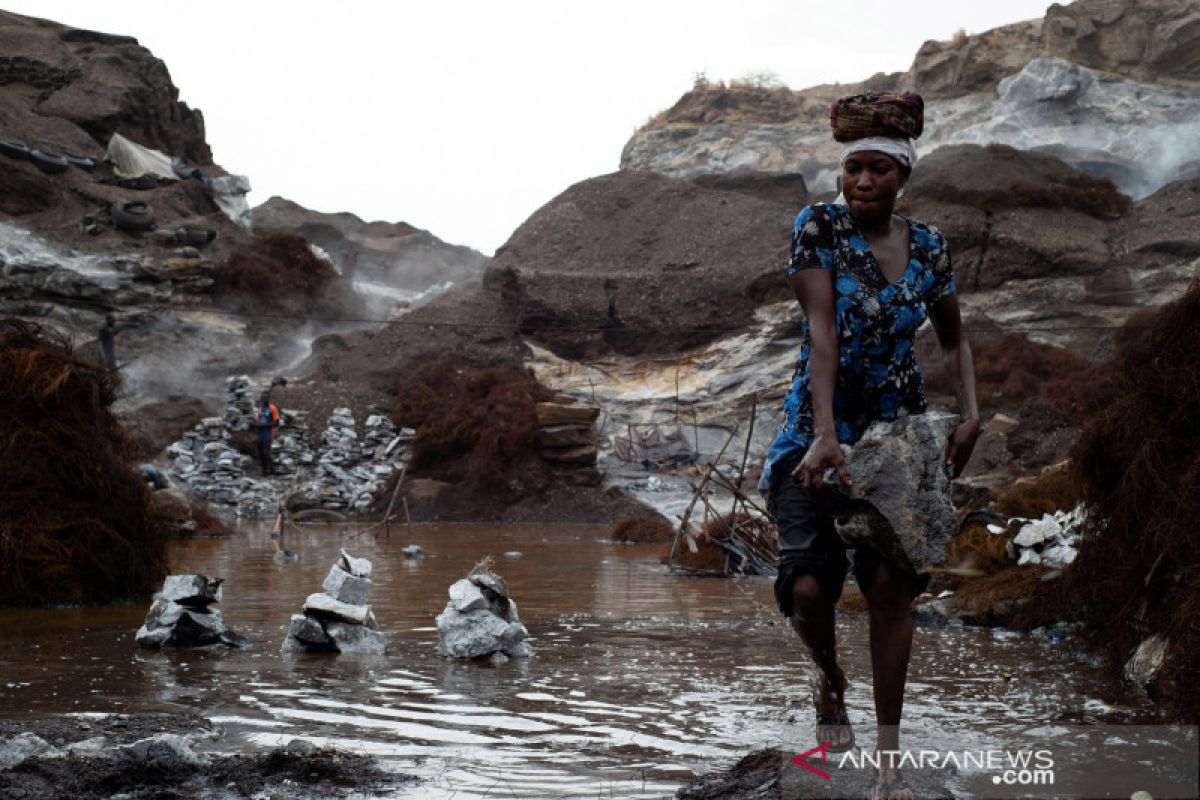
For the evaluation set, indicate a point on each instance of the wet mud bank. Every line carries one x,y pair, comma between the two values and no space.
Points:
136,756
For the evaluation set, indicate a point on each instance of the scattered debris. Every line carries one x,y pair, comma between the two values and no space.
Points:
480,620
183,615
1050,540
339,620
1144,665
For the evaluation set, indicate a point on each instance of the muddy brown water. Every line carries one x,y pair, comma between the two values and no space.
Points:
641,679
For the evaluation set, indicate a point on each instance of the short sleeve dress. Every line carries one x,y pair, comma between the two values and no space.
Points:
878,376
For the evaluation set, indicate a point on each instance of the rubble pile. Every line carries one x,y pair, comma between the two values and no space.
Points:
1050,541
480,620
183,615
338,620
350,471
342,474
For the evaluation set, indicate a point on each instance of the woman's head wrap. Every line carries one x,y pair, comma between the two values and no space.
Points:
878,114
882,122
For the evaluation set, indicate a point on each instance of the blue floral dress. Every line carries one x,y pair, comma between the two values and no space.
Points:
878,375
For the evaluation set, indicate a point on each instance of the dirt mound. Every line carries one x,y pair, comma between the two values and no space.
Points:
636,263
278,273
397,254
1138,462
75,525
998,177
155,425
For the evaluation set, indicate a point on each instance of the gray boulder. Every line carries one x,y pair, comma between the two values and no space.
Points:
480,620
900,498
15,750
358,567
357,639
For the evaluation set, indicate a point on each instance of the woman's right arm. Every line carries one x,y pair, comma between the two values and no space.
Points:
814,290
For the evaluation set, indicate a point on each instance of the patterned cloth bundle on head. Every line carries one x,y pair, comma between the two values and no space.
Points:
895,116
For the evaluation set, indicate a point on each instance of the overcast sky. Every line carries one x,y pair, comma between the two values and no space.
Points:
463,117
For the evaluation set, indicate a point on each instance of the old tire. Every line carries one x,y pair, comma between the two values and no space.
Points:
50,163
14,150
195,237
132,215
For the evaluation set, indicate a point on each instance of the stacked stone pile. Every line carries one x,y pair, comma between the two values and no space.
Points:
566,434
343,473
480,620
351,470
183,615
338,620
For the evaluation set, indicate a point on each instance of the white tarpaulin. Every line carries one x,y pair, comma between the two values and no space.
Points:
131,160
229,193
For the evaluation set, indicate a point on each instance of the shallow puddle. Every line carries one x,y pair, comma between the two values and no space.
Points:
641,679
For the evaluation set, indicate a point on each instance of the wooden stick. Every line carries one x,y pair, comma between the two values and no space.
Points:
688,513
392,503
407,516
745,452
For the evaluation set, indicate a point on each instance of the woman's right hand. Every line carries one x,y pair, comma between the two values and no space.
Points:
825,453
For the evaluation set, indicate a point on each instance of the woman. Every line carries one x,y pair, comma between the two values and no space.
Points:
866,279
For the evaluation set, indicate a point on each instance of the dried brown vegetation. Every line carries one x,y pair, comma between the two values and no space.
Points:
1138,463
474,424
642,529
208,523
75,525
1053,490
274,273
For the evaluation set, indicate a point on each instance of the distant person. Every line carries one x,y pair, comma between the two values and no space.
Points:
866,279
107,346
266,419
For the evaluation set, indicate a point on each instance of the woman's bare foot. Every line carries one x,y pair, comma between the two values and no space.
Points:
833,723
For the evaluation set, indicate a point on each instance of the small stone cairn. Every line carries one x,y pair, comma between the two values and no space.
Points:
338,620
344,472
480,620
184,615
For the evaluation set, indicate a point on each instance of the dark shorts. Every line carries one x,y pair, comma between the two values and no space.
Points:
808,542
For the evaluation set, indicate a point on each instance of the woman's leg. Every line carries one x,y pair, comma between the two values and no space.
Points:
891,625
813,618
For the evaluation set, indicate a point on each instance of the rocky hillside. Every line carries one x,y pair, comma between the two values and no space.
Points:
1110,86
391,253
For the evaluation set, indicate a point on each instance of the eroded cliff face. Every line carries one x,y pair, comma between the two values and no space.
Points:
67,89
1110,86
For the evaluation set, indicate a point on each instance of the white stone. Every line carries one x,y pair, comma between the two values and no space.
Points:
1038,531
466,596
1147,660
324,605
359,567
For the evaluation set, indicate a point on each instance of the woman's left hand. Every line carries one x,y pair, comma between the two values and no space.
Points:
962,443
